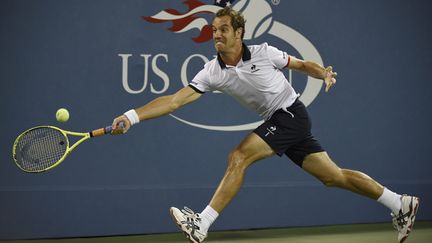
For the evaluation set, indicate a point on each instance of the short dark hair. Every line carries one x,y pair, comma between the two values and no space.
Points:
237,19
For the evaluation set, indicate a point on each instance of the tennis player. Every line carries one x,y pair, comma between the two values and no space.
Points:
253,76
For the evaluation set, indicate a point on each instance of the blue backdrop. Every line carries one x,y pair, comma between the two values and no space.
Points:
101,58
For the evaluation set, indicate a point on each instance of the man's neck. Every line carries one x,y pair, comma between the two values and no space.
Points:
232,58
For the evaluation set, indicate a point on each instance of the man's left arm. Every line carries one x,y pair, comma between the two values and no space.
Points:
315,70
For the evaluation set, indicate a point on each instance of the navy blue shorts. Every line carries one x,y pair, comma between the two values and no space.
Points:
288,131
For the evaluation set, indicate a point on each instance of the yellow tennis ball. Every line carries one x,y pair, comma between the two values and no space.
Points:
62,115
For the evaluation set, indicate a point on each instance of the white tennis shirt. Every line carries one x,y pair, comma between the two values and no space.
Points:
256,82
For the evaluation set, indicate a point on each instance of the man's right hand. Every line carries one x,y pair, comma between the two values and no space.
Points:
120,125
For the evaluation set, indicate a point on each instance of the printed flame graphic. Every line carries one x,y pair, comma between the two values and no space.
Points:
183,22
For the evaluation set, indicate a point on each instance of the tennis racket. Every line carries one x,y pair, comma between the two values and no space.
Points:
44,147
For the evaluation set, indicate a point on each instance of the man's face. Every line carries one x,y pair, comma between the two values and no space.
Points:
224,36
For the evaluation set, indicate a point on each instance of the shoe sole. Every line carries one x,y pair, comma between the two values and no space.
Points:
413,216
180,227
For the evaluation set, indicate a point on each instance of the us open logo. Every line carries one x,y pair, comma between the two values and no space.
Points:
260,22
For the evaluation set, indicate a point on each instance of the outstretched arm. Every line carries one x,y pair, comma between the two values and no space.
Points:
158,107
314,70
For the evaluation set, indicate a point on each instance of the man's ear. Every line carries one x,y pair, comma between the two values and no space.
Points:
239,32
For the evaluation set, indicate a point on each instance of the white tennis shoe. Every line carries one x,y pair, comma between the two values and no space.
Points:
190,223
403,222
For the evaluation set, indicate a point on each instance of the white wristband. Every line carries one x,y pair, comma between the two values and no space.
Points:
132,115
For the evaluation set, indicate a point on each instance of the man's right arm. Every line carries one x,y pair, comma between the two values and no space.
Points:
158,107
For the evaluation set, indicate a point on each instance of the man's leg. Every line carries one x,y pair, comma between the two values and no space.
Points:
195,226
322,167
251,149
404,208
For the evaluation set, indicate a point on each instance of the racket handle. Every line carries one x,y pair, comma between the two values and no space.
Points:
102,131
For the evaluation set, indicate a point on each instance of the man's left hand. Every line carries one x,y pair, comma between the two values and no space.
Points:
330,78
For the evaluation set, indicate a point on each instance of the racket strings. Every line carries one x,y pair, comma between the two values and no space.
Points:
40,148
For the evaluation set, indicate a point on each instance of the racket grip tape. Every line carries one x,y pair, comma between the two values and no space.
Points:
102,131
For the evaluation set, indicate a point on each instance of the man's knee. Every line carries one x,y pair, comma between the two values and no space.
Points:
237,160
333,180
324,169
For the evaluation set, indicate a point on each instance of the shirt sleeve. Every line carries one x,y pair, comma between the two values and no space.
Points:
201,82
279,58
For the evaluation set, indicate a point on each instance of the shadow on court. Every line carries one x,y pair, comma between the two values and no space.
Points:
371,233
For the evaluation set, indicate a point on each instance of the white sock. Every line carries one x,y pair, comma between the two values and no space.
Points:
391,200
208,216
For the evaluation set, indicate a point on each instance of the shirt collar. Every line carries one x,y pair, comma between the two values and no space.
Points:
245,57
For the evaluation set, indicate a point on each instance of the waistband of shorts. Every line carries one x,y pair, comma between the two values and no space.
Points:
296,102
